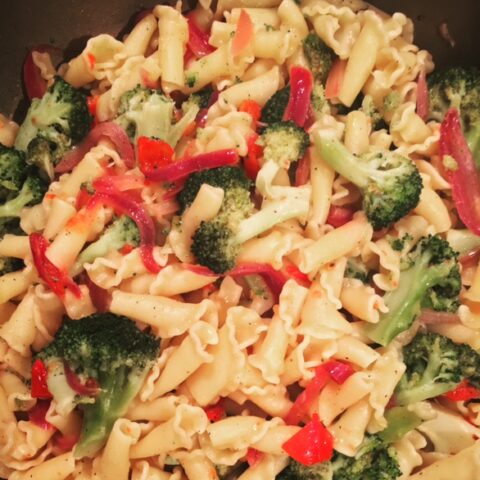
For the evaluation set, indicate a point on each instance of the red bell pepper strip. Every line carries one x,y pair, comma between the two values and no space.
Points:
294,272
305,400
100,297
88,389
253,109
338,216
338,371
197,40
83,197
184,167
302,173
92,102
35,84
423,105
215,412
312,444
335,79
39,381
251,163
108,195
463,392
113,132
91,60
463,176
153,154
253,457
301,85
38,413
243,34
274,279
56,279
65,443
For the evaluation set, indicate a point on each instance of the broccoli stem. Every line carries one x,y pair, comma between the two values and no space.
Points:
341,160
13,207
118,390
269,216
404,302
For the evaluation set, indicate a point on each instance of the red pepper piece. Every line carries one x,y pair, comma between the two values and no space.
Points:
305,400
57,280
335,79
83,197
253,456
153,154
38,413
243,34
312,444
338,216
91,60
215,412
198,40
65,443
89,389
252,108
184,167
463,177
301,85
39,381
463,392
294,272
251,162
338,371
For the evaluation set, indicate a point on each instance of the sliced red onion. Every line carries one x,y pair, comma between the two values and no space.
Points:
431,317
339,371
423,106
113,132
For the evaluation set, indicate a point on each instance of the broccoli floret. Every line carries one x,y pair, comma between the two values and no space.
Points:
226,178
284,143
275,107
390,183
435,365
319,56
202,97
123,231
12,171
216,243
458,87
61,118
432,279
391,102
357,269
46,152
32,192
398,244
370,109
319,103
110,350
10,264
375,460
144,112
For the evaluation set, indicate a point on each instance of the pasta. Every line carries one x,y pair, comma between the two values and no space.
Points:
279,299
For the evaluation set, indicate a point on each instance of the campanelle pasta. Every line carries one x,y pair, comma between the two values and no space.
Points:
271,340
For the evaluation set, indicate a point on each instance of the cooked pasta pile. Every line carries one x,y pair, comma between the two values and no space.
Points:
272,285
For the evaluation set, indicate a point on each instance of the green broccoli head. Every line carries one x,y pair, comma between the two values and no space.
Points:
12,171
63,109
357,269
284,143
45,152
144,112
202,97
319,56
275,107
375,460
390,183
10,264
457,87
216,243
122,231
111,350
32,192
226,178
435,365
430,279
